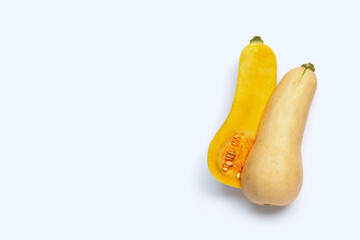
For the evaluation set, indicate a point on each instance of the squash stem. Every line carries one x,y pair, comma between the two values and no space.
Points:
309,66
256,39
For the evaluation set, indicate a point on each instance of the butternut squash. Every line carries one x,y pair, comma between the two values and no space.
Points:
232,143
273,173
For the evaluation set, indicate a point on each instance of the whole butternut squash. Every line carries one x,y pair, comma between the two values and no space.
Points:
232,143
273,174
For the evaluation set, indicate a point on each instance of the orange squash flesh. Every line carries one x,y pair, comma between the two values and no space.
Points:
256,82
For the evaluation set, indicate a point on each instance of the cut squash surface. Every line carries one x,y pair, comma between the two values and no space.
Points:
256,82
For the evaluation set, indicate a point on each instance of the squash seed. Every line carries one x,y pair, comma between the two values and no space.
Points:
238,175
229,156
231,152
229,163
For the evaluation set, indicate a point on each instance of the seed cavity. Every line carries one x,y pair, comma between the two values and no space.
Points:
233,154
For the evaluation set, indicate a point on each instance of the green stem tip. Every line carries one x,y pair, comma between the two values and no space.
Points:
256,39
309,66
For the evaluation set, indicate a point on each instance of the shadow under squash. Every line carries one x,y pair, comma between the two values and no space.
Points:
212,187
232,192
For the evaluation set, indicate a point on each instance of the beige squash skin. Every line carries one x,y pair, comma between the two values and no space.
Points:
273,174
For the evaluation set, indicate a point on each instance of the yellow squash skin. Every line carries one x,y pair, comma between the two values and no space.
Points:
256,82
272,174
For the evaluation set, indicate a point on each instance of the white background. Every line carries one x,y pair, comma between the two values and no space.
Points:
107,109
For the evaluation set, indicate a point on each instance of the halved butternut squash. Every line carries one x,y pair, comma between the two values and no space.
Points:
232,143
